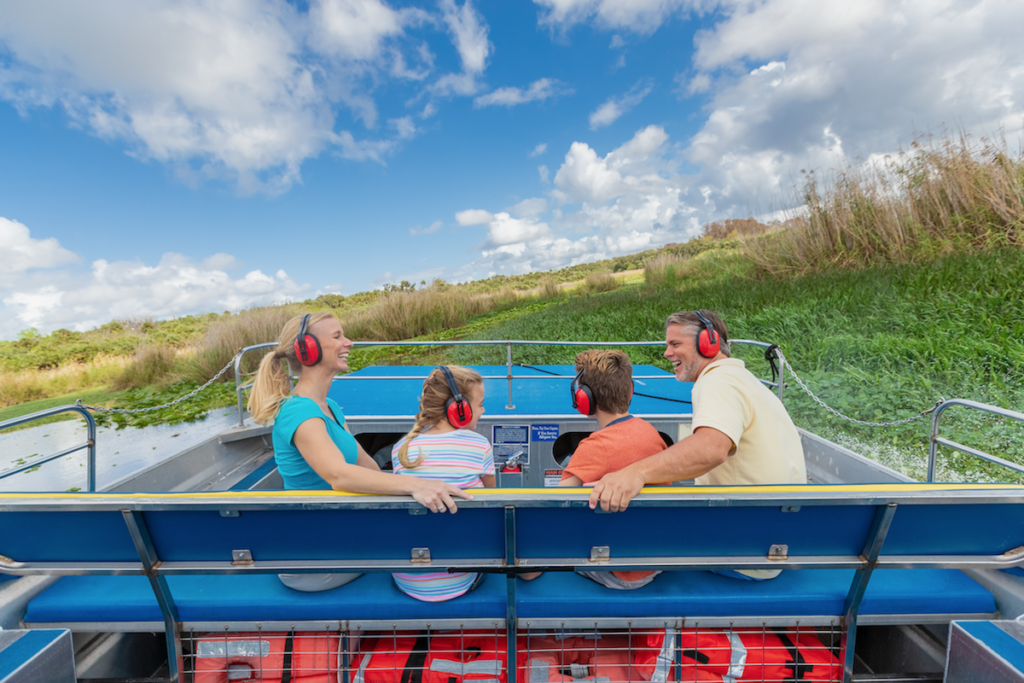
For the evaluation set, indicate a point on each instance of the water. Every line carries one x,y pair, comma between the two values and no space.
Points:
119,452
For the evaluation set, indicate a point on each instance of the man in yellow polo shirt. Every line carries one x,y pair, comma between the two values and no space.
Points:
742,433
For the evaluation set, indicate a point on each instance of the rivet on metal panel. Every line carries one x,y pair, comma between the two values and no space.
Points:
600,553
778,552
229,513
241,558
420,555
791,508
418,510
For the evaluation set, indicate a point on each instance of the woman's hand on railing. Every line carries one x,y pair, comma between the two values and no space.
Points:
437,496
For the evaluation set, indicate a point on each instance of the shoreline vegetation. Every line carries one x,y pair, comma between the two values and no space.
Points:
898,282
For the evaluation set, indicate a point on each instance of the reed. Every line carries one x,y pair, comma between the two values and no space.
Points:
403,315
227,335
29,385
151,366
549,289
600,281
956,194
663,271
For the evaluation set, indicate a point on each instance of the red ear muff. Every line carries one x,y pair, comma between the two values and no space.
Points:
307,347
708,340
457,409
582,397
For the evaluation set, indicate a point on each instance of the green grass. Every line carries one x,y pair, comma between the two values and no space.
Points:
878,344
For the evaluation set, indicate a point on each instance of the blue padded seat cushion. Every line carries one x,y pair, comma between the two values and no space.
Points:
262,597
254,597
792,593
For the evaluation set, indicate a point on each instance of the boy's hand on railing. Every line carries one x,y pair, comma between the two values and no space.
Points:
437,496
615,490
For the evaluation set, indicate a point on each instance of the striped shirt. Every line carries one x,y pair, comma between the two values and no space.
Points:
460,458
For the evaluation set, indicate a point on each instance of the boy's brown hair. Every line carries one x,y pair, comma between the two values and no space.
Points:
609,374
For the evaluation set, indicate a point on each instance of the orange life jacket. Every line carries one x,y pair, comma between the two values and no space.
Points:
307,657
412,657
756,655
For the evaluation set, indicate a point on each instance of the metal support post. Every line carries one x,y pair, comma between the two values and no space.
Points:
511,405
872,547
147,553
510,583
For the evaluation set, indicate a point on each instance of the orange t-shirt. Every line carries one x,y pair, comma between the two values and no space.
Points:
618,445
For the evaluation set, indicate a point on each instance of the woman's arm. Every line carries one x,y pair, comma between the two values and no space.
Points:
489,480
317,448
365,460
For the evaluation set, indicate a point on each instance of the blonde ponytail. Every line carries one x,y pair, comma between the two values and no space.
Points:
271,384
432,405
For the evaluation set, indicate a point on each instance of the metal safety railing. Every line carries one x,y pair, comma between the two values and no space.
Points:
241,386
935,440
90,442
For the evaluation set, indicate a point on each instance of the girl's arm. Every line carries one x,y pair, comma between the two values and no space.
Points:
489,480
323,456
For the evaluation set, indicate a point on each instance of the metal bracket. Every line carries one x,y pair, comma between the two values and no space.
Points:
421,555
229,513
778,552
1013,554
241,558
600,553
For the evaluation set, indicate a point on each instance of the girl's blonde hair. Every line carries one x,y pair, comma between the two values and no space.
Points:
432,402
271,385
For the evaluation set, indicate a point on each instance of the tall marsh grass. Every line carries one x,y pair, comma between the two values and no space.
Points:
941,197
600,281
663,271
403,315
229,334
29,385
152,364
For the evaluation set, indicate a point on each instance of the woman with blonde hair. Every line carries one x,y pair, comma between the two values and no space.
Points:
443,446
312,448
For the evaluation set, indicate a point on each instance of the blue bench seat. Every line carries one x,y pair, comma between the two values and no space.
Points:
253,597
262,597
793,593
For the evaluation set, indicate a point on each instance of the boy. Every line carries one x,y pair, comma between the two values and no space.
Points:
621,440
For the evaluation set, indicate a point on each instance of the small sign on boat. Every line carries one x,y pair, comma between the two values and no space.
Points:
544,432
507,440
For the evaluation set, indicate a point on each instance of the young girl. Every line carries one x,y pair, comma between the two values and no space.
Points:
443,446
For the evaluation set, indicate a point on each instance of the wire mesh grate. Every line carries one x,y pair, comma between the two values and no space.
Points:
627,655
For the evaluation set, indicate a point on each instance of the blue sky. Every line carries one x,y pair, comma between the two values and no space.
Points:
162,158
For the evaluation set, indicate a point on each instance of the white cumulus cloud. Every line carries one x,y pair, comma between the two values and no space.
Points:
20,252
474,217
63,297
614,107
509,97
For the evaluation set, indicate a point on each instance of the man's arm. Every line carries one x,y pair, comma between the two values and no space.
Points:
697,454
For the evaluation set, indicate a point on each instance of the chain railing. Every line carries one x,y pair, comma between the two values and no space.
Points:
783,362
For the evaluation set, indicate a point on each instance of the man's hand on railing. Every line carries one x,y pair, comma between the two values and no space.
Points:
437,496
615,490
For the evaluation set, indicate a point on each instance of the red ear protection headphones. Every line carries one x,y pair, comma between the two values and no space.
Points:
307,347
582,397
708,340
458,410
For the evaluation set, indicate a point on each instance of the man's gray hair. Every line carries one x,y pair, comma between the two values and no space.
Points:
692,326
